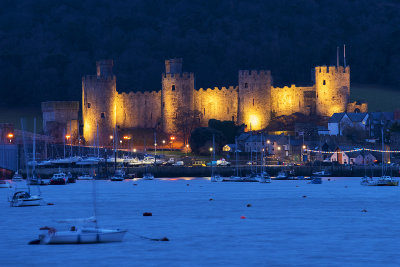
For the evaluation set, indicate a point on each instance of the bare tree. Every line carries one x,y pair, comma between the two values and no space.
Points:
186,121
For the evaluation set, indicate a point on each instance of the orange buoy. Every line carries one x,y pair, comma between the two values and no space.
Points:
242,217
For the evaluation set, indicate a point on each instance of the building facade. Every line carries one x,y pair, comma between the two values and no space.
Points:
252,102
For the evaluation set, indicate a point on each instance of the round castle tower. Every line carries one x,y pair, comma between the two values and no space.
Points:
332,86
98,103
177,92
254,99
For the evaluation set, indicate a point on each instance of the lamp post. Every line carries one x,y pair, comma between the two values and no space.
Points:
187,148
172,138
211,152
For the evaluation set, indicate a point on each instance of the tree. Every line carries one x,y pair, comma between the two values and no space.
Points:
201,140
228,129
354,133
186,121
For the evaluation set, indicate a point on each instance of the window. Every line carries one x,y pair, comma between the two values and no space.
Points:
102,115
233,118
173,87
88,105
324,82
204,111
246,85
253,102
151,116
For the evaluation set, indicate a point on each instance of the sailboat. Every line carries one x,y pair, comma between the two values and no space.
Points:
148,175
384,180
214,176
22,196
80,234
119,174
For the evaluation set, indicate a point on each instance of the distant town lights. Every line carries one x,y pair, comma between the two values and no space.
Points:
127,137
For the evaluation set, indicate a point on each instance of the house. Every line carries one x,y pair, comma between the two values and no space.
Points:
340,121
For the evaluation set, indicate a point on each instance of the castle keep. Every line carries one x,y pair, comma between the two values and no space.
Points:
252,102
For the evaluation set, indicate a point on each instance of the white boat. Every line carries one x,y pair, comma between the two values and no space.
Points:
119,175
4,184
88,161
25,199
17,177
83,235
322,173
59,178
85,177
216,178
148,176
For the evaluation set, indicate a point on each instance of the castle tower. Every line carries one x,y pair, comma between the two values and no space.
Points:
254,107
332,89
98,103
177,93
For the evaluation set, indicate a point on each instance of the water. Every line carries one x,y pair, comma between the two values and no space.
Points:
325,228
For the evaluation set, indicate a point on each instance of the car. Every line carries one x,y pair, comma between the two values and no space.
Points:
178,163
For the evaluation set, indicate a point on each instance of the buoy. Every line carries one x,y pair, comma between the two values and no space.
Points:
211,199
297,186
134,184
147,214
345,186
164,239
329,179
248,205
187,184
50,204
364,210
242,217
304,196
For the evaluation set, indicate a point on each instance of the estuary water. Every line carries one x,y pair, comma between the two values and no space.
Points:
210,224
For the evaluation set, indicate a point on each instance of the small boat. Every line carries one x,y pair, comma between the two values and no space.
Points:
4,184
322,173
263,177
24,199
282,175
17,177
216,178
148,176
59,178
119,175
35,180
316,180
382,181
71,179
85,177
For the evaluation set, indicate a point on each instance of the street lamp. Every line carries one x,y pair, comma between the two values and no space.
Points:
10,136
172,138
187,148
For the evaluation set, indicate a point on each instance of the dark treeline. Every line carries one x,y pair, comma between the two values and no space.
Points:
47,45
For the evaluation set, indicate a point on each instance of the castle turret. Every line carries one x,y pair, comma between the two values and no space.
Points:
177,93
99,103
254,99
332,89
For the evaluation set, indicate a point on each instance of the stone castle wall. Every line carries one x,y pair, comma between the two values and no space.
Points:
332,89
254,99
251,102
217,103
288,100
139,110
177,93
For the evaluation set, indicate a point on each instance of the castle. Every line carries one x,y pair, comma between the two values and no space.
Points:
252,102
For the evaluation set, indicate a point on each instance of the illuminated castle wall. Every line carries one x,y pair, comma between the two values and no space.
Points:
252,102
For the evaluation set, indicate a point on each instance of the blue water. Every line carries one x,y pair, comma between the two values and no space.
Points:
282,227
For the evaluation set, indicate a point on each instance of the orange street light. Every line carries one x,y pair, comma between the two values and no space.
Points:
111,137
67,136
10,135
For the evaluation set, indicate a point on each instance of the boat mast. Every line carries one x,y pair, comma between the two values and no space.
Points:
97,137
383,153
236,157
26,155
155,147
64,141
213,160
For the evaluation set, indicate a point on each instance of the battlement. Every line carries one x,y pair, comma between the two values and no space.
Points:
332,69
254,73
173,65
104,67
294,87
229,89
183,75
139,94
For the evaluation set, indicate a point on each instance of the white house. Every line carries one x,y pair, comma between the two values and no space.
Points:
339,121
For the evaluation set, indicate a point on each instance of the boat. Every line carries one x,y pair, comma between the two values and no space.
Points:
119,175
282,175
22,196
36,180
215,177
85,177
384,180
148,176
24,199
322,173
17,177
59,178
4,184
315,180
